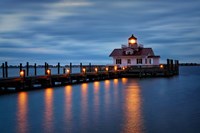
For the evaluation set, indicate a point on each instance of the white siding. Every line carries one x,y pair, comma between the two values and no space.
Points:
154,61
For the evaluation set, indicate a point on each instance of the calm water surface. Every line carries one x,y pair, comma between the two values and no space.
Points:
149,105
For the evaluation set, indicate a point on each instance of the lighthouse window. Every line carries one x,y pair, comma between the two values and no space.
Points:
118,61
145,61
139,61
129,61
149,61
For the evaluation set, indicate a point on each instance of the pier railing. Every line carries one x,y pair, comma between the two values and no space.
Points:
86,73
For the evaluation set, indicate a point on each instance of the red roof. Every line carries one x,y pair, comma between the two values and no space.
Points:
155,56
140,52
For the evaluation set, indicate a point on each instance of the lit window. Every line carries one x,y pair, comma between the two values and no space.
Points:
118,61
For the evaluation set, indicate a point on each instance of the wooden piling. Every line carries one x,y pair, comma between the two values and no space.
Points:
177,67
20,67
81,68
90,67
6,69
58,68
27,69
3,70
168,66
35,69
140,73
45,68
70,67
172,65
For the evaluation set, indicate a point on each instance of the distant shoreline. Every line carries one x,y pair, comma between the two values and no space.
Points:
189,64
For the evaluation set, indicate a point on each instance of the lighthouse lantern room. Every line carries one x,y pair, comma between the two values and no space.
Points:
132,42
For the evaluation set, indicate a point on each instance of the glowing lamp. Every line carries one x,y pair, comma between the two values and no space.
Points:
96,69
132,41
115,68
123,68
84,70
161,66
48,72
68,71
106,68
22,73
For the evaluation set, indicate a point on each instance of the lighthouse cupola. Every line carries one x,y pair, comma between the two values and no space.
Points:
132,41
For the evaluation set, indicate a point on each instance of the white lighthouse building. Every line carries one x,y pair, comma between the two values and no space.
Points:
134,54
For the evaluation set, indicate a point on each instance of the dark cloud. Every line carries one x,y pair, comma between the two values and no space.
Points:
87,31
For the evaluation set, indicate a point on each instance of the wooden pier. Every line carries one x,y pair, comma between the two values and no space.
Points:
87,73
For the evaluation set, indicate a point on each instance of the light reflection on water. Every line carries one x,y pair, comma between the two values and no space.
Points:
48,111
156,105
68,107
96,87
107,94
84,105
132,106
94,109
22,112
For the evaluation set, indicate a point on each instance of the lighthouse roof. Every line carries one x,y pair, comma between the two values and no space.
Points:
140,52
132,37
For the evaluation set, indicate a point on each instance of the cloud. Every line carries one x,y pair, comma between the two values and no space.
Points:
89,30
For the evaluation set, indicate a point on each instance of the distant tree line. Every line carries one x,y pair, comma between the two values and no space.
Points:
189,64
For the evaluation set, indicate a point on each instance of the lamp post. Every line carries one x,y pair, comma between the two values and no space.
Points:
161,66
96,69
107,69
115,68
84,71
48,71
67,71
22,73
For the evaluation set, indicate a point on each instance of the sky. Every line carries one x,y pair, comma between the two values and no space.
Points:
38,31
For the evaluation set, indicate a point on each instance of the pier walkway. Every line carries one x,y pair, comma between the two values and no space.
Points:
87,74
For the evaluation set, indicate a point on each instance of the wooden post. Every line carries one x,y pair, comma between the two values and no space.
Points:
3,70
70,67
35,69
172,66
168,65
90,67
140,73
27,69
64,70
20,67
81,67
45,68
58,68
6,69
177,67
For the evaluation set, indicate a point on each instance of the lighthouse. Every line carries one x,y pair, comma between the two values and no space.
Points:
134,54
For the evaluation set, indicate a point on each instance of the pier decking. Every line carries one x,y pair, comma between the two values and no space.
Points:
87,74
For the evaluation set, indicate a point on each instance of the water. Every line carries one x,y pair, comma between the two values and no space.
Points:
149,105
